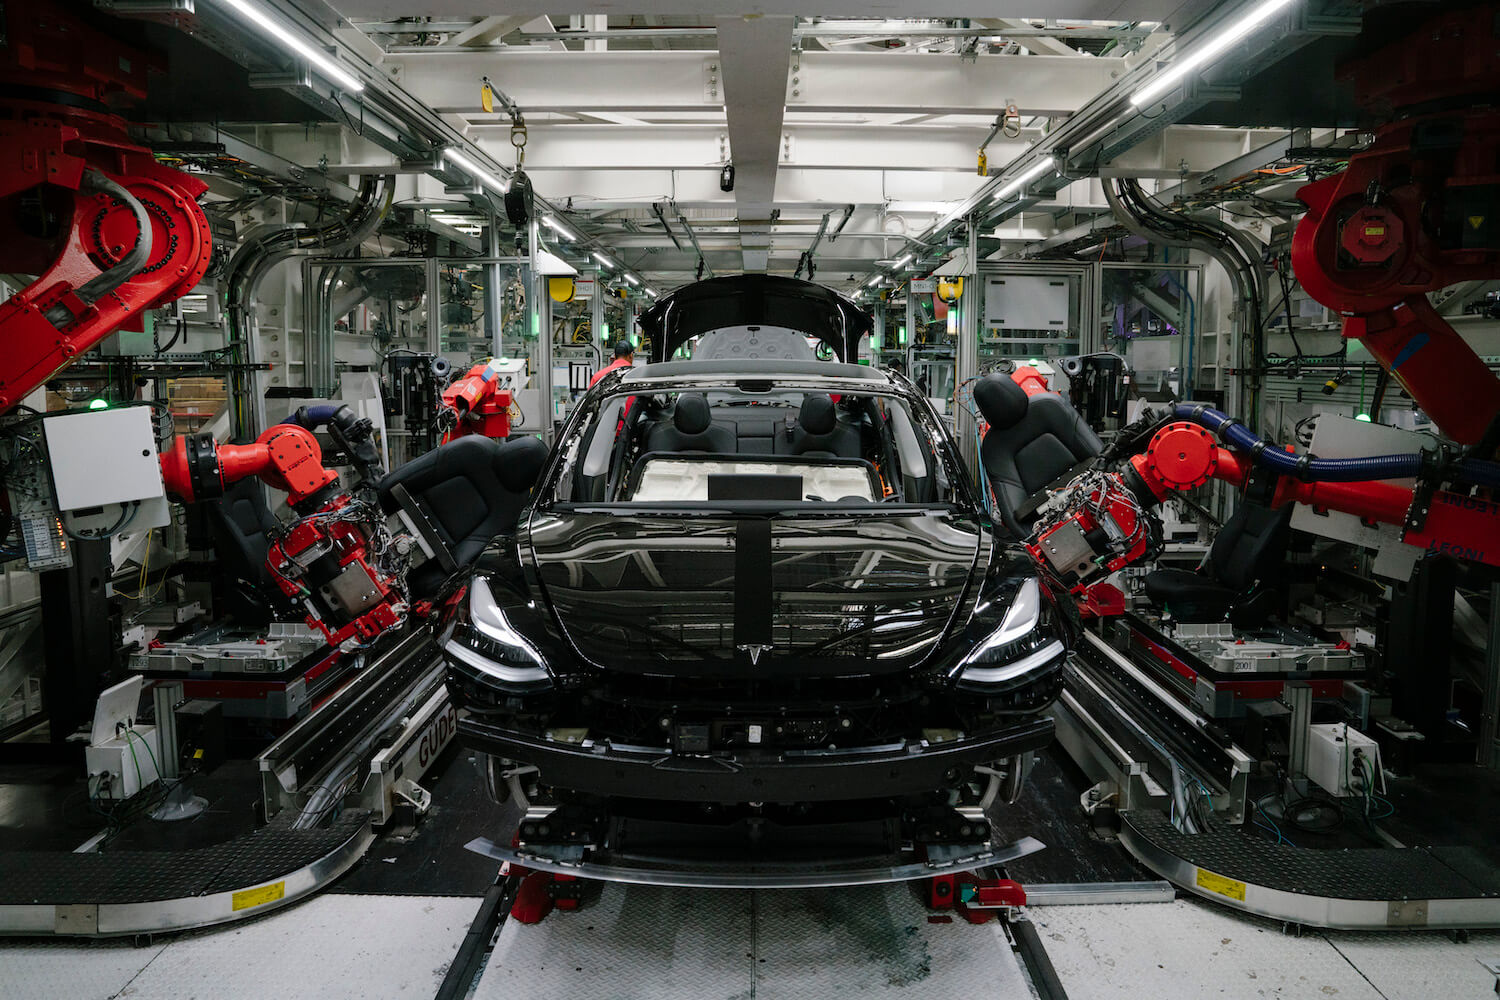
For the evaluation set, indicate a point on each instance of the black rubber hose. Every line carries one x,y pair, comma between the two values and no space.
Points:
130,265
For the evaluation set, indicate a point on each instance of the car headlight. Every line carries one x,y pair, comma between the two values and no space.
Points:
1020,645
498,650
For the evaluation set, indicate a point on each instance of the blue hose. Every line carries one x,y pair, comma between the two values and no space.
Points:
1329,470
313,416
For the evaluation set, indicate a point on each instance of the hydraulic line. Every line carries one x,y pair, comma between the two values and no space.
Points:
253,260
1135,211
1330,470
312,417
130,265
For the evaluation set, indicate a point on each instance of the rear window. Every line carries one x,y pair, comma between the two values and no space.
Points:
750,442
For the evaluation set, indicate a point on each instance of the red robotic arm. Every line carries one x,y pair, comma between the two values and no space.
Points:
1414,213
1099,522
287,457
335,560
474,404
1183,455
110,231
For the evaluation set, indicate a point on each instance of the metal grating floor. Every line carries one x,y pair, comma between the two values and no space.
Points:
645,941
60,877
1354,873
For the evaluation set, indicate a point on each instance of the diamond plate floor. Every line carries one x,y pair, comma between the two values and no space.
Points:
1191,948
329,946
644,941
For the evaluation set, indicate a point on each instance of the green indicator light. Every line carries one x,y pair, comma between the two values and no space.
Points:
103,404
901,335
1363,416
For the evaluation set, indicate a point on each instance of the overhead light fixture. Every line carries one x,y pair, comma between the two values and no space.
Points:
903,261
475,171
272,28
651,292
551,222
602,259
1183,65
632,279
1031,173
875,281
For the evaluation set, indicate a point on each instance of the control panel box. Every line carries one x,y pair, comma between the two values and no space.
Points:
1342,760
103,456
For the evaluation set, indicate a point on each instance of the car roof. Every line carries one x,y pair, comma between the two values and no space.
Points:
759,368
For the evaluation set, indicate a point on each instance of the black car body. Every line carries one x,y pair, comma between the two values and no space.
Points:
795,607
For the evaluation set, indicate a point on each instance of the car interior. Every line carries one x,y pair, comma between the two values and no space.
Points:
732,444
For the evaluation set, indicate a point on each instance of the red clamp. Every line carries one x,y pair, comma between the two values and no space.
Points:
975,899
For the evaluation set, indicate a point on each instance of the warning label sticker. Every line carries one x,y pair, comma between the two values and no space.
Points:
1221,885
261,895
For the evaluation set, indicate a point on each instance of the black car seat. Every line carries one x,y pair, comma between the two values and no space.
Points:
1244,569
819,432
691,428
469,491
241,523
1032,442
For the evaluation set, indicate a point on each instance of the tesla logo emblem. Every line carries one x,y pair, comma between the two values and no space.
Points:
754,651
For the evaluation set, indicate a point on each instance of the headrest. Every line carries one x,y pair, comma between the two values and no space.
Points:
1001,400
818,415
519,462
692,415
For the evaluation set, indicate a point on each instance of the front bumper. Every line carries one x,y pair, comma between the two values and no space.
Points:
789,776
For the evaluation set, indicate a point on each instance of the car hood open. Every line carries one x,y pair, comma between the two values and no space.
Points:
748,299
719,595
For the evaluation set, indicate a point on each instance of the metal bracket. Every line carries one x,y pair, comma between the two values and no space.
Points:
414,794
76,918
1407,913
300,76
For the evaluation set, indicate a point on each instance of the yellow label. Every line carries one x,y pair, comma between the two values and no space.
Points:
1221,885
1374,230
198,754
246,898
984,164
487,99
1475,221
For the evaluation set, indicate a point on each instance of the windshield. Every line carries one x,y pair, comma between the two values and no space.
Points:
751,442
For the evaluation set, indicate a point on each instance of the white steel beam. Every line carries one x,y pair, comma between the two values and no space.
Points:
755,54
1104,10
837,82
610,147
488,29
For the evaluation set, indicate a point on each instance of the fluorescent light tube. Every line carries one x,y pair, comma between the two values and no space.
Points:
1031,173
273,29
552,223
475,171
875,281
632,279
903,262
602,259
1182,65
651,292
